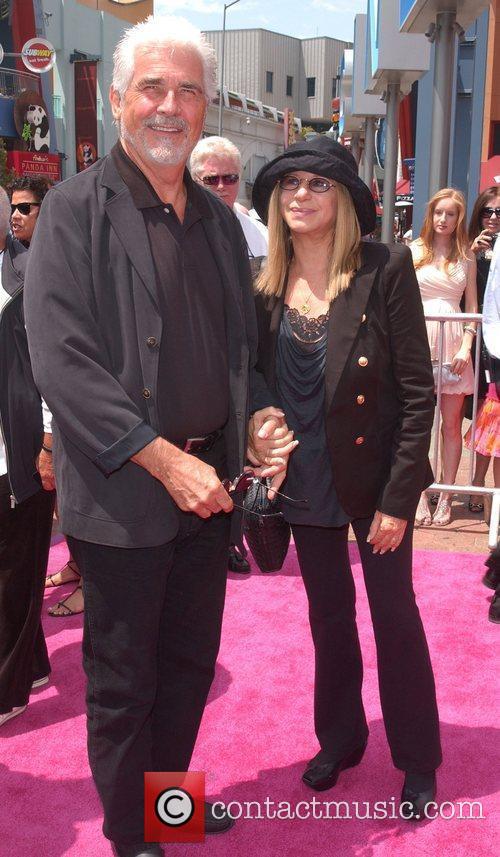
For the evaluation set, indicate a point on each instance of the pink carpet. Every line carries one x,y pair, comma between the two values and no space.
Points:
257,731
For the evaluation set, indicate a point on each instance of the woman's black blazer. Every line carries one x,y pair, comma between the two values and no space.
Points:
379,388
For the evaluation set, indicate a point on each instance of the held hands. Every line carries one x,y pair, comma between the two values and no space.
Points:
194,485
270,443
386,532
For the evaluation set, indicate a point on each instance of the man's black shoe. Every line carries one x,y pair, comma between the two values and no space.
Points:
321,773
418,791
494,611
141,849
237,562
492,577
218,821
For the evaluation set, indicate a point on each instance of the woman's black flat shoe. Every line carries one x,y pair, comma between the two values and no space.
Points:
322,774
415,797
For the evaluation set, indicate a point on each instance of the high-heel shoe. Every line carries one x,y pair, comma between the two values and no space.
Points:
423,516
419,790
442,515
321,773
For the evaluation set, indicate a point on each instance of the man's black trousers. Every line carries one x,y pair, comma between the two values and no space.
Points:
406,681
151,637
25,532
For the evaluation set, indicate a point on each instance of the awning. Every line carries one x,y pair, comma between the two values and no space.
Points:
490,172
403,188
404,196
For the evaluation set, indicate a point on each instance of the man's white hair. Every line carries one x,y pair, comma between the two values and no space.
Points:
4,213
212,146
163,31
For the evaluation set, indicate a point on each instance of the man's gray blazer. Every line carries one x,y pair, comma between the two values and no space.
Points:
94,331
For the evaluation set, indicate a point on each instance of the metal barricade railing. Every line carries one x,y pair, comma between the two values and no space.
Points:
494,493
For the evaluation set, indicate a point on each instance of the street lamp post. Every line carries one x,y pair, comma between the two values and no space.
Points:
221,84
442,96
392,98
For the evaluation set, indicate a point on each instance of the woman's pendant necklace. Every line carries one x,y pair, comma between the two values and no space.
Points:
305,307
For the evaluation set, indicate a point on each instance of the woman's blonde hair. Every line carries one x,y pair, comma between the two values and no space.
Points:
345,255
459,247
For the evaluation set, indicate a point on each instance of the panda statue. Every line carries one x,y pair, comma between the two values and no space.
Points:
39,124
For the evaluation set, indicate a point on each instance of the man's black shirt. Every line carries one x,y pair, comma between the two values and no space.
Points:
193,381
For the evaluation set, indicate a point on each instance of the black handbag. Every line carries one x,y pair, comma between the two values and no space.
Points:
266,531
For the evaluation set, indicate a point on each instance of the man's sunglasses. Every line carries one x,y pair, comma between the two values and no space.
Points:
243,482
489,212
22,207
317,185
213,181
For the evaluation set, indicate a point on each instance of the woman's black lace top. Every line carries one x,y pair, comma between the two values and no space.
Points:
307,329
300,371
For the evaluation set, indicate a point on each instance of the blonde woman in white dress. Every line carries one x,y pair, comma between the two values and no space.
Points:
446,270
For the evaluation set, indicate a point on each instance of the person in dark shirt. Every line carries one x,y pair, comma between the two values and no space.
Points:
26,196
26,493
216,164
343,344
145,357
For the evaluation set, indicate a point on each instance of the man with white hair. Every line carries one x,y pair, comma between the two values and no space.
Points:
25,507
145,357
216,164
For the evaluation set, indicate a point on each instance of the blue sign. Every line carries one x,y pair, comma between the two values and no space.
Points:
372,37
410,163
405,7
7,126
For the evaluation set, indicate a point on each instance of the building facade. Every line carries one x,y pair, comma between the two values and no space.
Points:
282,71
468,118
84,34
74,93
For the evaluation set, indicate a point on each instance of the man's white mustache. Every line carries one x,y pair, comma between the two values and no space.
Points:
177,124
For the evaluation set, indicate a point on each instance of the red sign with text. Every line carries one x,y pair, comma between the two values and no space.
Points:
35,164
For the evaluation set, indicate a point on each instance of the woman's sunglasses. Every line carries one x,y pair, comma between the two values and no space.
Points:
213,181
22,207
489,212
316,185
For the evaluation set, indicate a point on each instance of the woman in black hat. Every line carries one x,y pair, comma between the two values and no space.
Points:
343,344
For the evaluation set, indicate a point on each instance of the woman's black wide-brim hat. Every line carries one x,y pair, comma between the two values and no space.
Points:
322,156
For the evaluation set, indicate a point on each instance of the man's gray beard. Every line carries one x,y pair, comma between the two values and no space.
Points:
164,153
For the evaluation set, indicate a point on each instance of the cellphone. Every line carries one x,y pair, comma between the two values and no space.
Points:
488,252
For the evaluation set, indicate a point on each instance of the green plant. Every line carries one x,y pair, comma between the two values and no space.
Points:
306,129
6,174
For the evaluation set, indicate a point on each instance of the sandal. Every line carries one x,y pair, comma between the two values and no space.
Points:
442,515
423,517
71,565
63,605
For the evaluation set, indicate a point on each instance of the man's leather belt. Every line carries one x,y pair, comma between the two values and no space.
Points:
193,445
